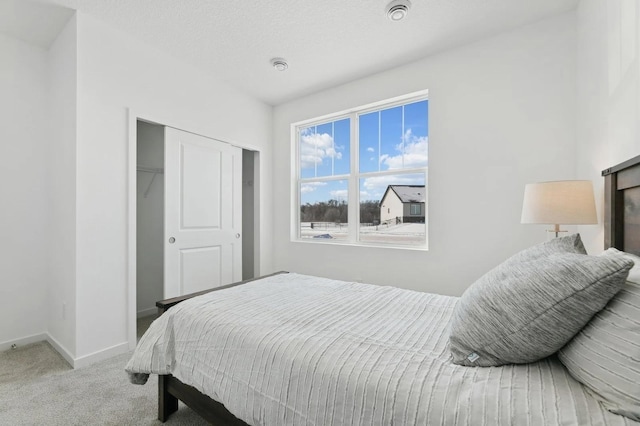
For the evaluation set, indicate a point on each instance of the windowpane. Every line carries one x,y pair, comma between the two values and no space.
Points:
369,142
324,149
394,138
415,141
387,209
416,118
391,139
342,138
324,209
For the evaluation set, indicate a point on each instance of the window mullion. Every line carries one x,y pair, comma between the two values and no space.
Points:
354,199
294,230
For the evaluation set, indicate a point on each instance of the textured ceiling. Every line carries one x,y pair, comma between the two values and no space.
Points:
326,42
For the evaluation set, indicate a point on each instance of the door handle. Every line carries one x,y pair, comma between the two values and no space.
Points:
172,240
238,235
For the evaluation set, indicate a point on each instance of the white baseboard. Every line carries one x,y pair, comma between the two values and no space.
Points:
82,361
61,349
23,341
89,359
146,312
42,337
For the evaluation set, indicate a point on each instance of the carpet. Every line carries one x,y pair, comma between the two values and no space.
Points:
99,394
21,365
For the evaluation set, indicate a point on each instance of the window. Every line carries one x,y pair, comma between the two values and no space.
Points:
360,176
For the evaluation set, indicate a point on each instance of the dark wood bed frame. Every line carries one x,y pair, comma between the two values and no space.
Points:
621,229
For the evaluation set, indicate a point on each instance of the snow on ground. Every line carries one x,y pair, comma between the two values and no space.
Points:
407,233
401,229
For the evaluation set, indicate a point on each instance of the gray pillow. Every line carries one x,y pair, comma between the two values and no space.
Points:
605,354
532,304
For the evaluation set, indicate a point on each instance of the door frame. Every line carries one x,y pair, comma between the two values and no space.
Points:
132,141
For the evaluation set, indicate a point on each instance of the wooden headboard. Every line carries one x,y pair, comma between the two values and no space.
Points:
622,206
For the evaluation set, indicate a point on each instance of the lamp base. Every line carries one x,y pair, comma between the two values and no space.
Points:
556,229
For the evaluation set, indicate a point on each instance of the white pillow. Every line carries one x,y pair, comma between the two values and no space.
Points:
605,355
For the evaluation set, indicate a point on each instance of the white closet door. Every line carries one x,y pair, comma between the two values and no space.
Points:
203,213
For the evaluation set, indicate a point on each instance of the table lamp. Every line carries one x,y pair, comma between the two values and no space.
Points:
564,202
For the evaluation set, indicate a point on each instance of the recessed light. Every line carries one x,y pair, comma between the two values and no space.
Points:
279,64
397,10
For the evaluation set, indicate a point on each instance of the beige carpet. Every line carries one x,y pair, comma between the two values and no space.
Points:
37,387
21,365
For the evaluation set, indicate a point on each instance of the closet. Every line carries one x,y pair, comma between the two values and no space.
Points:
151,243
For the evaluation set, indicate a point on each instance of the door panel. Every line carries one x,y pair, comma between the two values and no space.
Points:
201,177
203,213
201,268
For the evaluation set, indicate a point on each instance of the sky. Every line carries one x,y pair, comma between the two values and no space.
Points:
390,139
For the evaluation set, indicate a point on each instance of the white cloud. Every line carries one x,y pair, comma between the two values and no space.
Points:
371,149
413,152
315,147
377,185
310,187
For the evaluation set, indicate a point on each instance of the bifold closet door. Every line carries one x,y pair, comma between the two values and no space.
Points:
203,213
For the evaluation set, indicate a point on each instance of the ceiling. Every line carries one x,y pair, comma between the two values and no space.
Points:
326,42
31,21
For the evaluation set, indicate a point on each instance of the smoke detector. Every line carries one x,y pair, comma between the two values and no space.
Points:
397,10
279,64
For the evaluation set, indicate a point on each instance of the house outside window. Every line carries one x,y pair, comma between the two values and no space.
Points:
360,176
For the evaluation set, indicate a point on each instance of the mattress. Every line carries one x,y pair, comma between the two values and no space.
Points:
293,349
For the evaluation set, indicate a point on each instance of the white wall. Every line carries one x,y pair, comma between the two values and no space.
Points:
608,112
61,190
116,72
502,114
150,219
23,216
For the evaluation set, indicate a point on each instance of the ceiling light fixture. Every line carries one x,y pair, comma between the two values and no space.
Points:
279,64
397,10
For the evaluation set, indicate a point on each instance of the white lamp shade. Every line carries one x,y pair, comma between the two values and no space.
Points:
568,202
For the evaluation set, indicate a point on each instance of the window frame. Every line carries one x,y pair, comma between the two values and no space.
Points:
354,176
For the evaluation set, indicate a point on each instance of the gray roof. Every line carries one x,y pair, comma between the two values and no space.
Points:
409,193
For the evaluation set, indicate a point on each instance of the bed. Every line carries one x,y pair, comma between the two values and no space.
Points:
296,349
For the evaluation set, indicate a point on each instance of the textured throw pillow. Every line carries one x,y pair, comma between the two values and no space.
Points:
532,304
605,355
